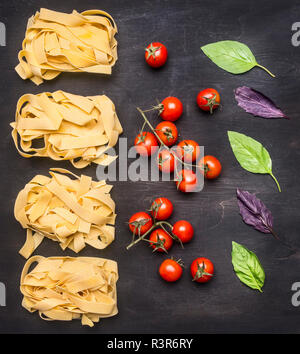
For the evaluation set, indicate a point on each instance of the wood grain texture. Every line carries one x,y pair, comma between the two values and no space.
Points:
146,303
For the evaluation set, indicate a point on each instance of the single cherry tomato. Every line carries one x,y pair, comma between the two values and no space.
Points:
202,270
156,54
161,241
188,151
183,230
140,223
170,109
210,167
187,181
146,143
171,270
161,209
168,133
208,99
166,161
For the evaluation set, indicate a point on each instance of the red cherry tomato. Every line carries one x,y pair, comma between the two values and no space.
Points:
140,223
187,181
161,208
183,230
166,161
156,54
160,241
168,133
170,270
208,99
202,270
171,109
188,151
210,167
146,144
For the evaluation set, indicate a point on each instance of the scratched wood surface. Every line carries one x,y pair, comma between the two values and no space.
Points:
146,303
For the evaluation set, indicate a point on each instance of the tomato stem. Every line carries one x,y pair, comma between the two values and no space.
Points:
200,272
211,102
154,108
142,130
159,108
150,125
159,223
172,234
161,142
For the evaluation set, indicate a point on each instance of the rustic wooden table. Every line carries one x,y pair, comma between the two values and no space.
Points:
146,303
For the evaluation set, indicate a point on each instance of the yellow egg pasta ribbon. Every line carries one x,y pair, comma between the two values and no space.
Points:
72,211
77,42
67,288
70,127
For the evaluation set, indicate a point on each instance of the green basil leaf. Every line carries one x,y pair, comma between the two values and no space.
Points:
232,56
251,154
247,267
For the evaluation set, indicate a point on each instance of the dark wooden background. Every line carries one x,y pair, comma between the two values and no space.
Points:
146,303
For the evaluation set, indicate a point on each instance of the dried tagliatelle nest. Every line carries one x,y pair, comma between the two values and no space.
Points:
65,288
77,42
69,127
72,211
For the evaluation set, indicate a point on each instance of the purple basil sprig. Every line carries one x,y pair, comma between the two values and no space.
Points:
255,213
256,103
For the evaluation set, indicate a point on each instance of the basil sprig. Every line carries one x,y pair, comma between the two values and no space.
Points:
232,56
251,154
247,267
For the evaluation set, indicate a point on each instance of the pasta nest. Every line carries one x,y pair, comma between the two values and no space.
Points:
73,212
70,127
66,288
57,42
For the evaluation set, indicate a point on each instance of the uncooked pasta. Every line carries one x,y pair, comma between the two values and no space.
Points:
57,42
66,288
63,126
72,211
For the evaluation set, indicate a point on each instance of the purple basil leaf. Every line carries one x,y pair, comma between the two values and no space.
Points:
254,212
257,103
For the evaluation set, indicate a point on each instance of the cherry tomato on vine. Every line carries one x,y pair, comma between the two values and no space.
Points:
161,241
168,133
140,223
156,54
210,167
161,209
170,109
171,270
166,161
183,230
202,270
208,99
188,151
146,143
187,181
